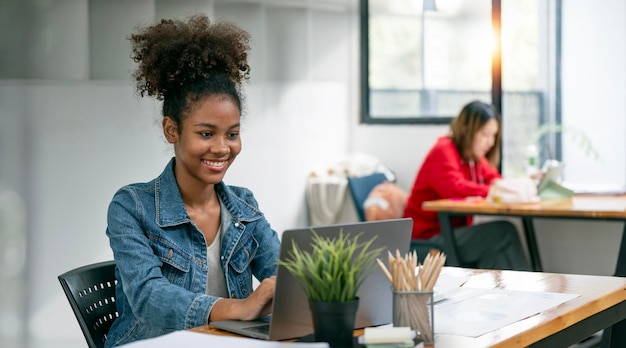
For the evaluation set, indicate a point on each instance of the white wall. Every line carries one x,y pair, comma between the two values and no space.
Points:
86,140
402,148
67,145
594,88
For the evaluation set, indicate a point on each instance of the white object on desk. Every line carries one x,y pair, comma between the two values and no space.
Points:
474,312
517,190
597,188
387,334
189,339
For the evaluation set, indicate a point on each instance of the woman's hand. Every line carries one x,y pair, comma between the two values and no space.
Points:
537,175
258,304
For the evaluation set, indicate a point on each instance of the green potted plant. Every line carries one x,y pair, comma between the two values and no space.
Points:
330,275
576,135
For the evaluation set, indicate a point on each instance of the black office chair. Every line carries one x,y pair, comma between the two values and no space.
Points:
360,188
90,290
423,247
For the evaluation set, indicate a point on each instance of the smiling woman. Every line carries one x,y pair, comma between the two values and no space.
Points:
186,235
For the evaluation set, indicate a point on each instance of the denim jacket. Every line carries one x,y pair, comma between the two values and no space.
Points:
161,256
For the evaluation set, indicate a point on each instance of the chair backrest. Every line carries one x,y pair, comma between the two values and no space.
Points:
360,188
424,247
90,290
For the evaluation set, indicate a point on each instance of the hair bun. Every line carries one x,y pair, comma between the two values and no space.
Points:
175,53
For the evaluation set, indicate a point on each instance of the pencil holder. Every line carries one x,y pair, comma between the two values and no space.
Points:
415,310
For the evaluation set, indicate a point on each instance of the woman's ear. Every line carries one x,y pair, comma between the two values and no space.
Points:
170,130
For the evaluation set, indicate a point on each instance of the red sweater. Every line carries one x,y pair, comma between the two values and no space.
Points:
444,175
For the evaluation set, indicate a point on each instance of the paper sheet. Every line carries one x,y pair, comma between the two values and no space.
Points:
189,339
474,312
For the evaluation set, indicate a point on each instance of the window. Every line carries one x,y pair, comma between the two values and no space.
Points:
426,59
423,60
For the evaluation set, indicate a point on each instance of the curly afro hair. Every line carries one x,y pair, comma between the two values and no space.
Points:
174,53
182,61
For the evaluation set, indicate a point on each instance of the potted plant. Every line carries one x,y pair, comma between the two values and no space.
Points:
330,275
576,135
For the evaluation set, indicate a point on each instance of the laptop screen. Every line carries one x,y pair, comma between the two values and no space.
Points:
291,317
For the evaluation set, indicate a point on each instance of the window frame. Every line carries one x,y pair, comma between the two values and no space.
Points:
496,79
366,117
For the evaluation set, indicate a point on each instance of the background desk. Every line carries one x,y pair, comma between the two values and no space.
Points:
589,207
602,302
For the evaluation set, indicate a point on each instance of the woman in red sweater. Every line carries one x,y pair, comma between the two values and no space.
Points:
462,165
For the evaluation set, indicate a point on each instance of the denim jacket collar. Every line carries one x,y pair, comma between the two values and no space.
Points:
170,209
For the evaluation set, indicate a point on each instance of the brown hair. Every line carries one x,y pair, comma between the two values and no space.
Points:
470,120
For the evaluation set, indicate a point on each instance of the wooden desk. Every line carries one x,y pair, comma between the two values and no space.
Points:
602,302
589,207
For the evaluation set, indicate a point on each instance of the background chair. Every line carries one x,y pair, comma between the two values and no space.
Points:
90,290
423,247
361,189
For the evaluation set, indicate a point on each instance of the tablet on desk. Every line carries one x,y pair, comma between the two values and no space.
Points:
553,173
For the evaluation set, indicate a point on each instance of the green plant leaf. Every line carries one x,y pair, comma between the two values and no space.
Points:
335,268
576,135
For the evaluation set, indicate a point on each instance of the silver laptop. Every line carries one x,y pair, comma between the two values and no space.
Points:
290,316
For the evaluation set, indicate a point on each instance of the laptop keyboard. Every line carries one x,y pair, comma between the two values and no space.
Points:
263,328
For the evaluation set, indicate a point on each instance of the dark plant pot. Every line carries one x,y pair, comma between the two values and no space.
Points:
333,322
